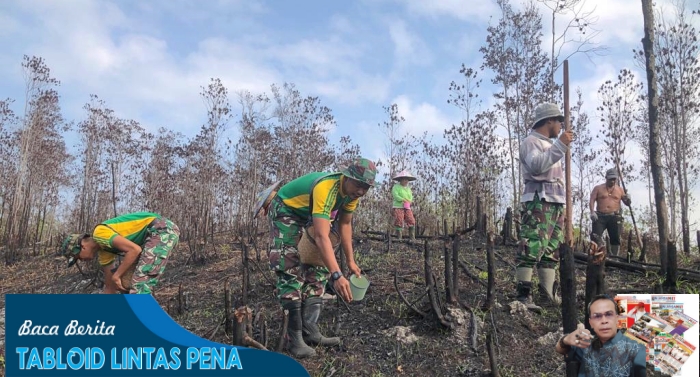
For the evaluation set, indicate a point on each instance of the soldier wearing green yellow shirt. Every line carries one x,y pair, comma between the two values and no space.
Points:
143,239
310,200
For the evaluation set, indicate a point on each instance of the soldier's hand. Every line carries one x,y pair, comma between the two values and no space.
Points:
117,279
342,287
566,137
354,269
594,216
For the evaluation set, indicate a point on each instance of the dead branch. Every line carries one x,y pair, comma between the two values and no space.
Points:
410,306
474,277
250,342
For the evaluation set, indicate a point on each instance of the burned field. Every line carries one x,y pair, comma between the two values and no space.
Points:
410,322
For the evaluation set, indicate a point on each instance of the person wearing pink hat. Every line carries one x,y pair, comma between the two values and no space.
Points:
401,206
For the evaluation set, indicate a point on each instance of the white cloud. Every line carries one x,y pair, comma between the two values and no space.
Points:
94,47
422,117
409,48
478,11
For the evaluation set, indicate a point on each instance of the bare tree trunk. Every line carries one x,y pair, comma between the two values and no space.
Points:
114,189
654,134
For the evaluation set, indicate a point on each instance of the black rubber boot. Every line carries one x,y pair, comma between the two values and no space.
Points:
312,335
295,340
525,296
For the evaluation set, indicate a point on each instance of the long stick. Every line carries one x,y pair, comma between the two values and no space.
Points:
636,231
569,229
569,310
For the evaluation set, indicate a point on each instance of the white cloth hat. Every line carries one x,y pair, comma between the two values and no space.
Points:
545,111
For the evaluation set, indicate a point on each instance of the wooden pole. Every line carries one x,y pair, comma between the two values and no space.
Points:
569,312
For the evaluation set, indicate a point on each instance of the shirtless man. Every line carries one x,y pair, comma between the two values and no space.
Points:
608,213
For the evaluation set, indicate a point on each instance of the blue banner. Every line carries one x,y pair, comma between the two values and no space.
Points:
118,335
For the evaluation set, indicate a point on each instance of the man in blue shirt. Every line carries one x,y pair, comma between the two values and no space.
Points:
609,353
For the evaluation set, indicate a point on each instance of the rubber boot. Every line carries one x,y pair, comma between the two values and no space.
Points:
524,288
312,335
295,340
399,233
614,249
547,295
412,233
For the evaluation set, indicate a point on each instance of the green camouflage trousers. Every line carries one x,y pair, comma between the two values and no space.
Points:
540,233
161,239
295,280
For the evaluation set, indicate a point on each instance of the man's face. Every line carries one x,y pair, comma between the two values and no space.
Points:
610,182
88,250
403,181
603,319
355,189
556,128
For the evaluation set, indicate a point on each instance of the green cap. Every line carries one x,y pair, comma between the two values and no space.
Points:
362,170
70,247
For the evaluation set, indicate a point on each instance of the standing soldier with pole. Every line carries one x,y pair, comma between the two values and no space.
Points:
542,203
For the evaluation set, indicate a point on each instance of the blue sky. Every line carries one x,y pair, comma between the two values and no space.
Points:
148,59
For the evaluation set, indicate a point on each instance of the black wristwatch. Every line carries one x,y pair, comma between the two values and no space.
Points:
335,276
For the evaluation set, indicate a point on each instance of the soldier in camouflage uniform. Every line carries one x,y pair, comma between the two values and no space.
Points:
143,239
310,199
542,203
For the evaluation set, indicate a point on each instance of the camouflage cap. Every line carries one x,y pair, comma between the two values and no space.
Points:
70,247
362,170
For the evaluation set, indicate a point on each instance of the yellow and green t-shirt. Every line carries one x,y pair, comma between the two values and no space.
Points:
328,195
131,226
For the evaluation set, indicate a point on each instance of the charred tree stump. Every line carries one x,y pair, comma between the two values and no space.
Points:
671,281
228,305
595,283
455,270
479,212
449,294
432,291
643,253
490,294
261,326
245,277
507,231
568,298
243,317
629,247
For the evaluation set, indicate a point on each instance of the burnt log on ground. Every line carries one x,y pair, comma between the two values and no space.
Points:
639,267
